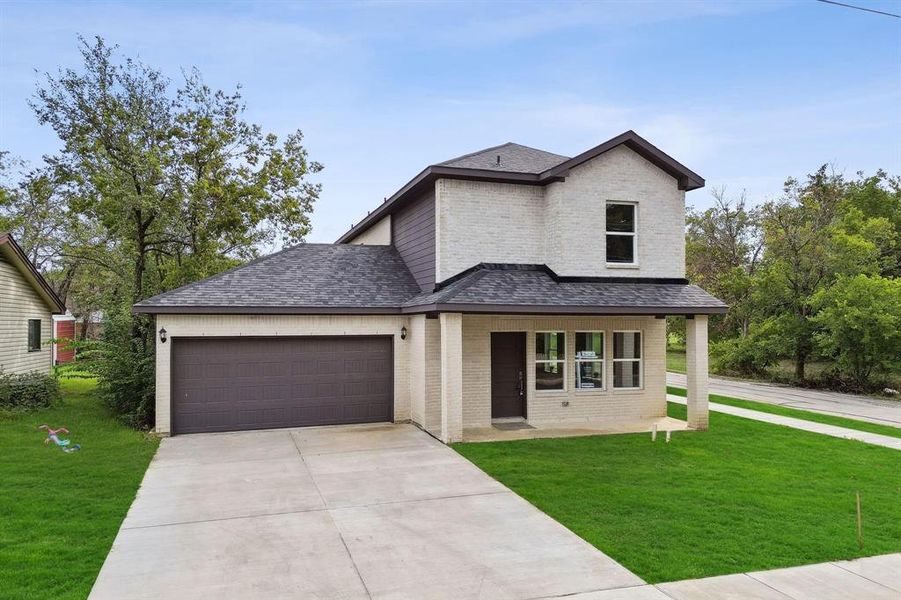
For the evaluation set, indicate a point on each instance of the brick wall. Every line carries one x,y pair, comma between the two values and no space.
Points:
562,225
276,325
584,406
487,222
377,235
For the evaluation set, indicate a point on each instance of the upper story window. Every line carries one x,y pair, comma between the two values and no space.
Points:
550,360
622,239
34,335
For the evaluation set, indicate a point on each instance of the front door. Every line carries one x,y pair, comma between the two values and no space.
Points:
508,375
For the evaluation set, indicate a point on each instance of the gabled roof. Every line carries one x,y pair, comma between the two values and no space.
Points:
522,165
302,279
508,157
16,257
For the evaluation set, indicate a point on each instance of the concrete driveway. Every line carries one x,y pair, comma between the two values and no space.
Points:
339,512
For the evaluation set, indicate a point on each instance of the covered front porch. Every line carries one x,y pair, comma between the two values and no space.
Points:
488,377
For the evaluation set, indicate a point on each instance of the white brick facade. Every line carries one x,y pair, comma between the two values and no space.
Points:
279,325
562,225
584,406
377,235
487,222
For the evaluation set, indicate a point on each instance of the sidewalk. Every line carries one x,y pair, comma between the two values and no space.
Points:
832,430
852,406
873,578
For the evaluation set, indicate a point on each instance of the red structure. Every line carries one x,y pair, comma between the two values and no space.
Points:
63,329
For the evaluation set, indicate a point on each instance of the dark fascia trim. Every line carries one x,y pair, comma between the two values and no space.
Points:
428,176
56,305
553,275
518,309
688,179
266,310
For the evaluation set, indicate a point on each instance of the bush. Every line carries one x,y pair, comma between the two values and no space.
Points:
747,355
28,391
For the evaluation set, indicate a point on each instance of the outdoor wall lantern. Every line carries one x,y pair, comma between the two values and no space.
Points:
403,333
163,335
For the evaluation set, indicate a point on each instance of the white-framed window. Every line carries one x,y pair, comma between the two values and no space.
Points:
589,360
627,364
622,233
550,361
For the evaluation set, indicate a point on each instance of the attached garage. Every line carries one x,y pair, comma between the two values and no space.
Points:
238,383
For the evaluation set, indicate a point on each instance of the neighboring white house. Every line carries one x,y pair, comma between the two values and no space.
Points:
27,304
507,284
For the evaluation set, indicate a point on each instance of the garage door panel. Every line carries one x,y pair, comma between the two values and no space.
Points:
223,384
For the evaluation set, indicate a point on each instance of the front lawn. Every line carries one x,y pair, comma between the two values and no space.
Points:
797,413
60,512
743,496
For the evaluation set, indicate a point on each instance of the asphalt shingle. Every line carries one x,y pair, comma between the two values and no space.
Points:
535,286
513,158
306,275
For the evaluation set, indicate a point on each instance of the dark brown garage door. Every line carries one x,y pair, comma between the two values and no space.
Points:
228,384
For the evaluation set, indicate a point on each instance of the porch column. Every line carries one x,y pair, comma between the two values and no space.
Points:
696,371
451,377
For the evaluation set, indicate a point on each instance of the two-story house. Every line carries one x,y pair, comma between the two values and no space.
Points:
510,284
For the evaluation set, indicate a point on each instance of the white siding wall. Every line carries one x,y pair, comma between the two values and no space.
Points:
377,235
562,225
19,303
608,405
276,325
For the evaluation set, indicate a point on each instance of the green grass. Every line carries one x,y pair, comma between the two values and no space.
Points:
741,497
796,413
675,360
60,512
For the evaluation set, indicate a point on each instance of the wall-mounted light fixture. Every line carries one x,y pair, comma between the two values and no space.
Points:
163,337
403,333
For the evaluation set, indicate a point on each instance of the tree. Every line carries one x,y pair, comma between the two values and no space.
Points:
170,185
723,246
796,260
860,325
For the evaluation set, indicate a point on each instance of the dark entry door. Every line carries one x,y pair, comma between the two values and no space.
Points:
229,384
508,375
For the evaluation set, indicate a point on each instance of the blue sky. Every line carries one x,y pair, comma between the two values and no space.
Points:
745,93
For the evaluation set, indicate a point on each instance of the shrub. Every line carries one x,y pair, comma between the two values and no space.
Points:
28,391
747,355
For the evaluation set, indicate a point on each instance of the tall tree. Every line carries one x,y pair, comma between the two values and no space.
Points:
171,185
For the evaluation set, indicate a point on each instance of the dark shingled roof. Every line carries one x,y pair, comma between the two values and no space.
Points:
303,276
532,286
513,158
350,279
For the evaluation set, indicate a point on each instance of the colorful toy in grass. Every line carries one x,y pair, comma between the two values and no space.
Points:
53,436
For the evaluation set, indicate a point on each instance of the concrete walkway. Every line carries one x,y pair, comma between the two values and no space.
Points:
350,512
874,578
831,430
853,406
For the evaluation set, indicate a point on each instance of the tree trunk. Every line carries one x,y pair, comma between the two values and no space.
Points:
800,364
